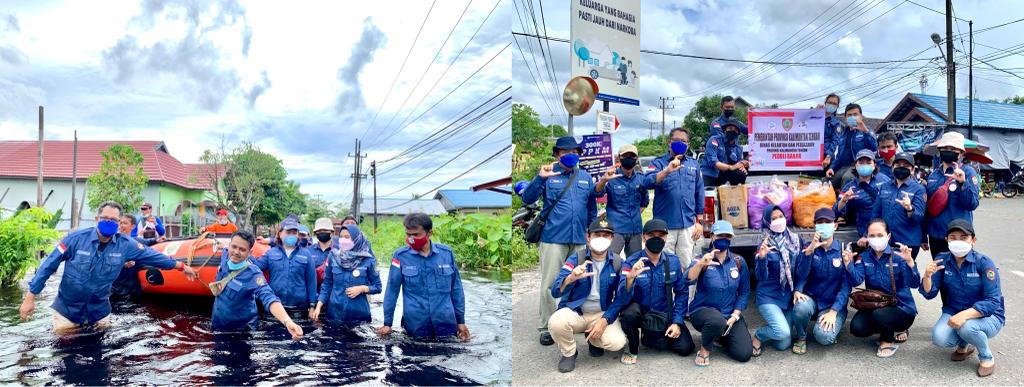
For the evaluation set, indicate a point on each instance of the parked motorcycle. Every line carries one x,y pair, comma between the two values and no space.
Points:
1015,186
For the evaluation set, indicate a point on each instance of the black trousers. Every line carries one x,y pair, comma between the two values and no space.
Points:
632,318
937,246
711,324
884,322
630,242
732,177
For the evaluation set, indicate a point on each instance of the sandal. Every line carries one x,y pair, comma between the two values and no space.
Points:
892,347
904,334
628,358
757,349
706,359
961,356
800,347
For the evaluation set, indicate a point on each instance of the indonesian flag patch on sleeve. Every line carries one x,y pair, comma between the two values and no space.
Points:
396,263
568,266
991,274
61,247
625,270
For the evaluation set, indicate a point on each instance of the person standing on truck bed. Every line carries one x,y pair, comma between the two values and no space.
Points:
858,195
849,140
678,195
901,203
723,158
952,192
627,198
832,126
887,150
728,106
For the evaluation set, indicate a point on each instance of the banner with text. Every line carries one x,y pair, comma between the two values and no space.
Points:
786,139
597,153
606,47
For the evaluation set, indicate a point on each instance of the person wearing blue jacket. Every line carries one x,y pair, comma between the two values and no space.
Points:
649,275
237,287
146,221
859,194
887,149
127,285
723,160
954,186
775,267
728,106
678,195
425,272
832,126
879,268
292,274
721,283
93,258
973,309
567,218
627,198
822,289
850,139
901,203
350,275
586,288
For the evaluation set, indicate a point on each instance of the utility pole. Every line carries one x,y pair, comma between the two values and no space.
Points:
373,172
74,181
923,82
663,108
357,175
951,75
970,80
39,170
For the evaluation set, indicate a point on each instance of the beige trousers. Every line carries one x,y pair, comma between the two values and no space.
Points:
566,323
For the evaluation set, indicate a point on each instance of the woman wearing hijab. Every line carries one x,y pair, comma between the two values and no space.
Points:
351,274
774,269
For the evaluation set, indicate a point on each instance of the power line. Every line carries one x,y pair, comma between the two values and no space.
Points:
551,100
489,159
933,10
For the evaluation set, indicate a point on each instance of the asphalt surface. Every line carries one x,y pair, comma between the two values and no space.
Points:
999,224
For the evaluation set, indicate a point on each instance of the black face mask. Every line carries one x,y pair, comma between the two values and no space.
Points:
323,236
948,156
732,135
728,112
901,173
655,245
628,162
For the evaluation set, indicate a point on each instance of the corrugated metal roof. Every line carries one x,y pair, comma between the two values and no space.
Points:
464,198
400,207
986,113
931,115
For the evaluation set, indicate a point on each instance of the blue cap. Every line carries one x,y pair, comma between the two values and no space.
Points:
567,143
865,153
722,226
303,229
289,224
905,156
825,213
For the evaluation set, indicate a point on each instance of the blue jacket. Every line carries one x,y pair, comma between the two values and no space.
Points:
318,255
719,149
568,219
832,125
770,289
962,202
627,197
140,221
651,295
974,285
847,143
905,227
127,283
235,308
680,197
884,169
723,287
432,299
873,272
292,278
576,293
84,293
715,127
823,278
339,307
863,204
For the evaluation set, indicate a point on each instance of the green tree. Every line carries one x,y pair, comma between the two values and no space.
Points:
248,174
1016,100
698,120
22,237
317,208
282,198
533,142
119,179
656,146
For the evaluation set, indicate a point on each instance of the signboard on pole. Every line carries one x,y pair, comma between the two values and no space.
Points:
597,153
607,122
606,47
786,139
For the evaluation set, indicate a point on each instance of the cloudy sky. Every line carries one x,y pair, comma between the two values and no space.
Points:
300,81
751,29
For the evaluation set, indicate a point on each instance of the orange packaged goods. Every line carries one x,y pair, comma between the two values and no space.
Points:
809,197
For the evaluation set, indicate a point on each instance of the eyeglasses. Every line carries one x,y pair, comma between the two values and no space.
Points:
144,208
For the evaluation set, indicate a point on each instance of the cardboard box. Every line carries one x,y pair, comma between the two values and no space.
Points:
733,204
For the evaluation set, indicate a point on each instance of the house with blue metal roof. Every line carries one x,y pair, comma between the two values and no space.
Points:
468,201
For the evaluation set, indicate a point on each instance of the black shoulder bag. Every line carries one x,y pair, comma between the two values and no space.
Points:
536,227
655,320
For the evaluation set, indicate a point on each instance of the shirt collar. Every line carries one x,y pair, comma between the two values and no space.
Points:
560,169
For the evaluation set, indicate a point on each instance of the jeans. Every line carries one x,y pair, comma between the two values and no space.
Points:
884,322
776,329
632,318
802,313
975,331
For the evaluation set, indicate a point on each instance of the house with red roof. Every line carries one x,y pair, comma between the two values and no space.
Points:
174,187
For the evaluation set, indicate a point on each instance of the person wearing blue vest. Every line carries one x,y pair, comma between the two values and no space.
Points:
850,139
880,268
901,203
887,149
652,277
322,246
775,267
953,188
859,194
93,258
292,274
627,198
728,106
973,309
723,160
149,226
721,282
426,274
678,195
832,126
822,289
586,288
239,283
350,276
567,217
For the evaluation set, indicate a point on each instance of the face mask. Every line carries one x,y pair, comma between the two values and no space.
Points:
728,112
290,240
655,245
878,243
948,156
417,243
346,244
235,266
887,154
323,236
678,147
959,248
865,170
825,229
721,244
628,162
569,159
852,121
778,225
731,135
223,221
901,173
830,108
107,227
600,245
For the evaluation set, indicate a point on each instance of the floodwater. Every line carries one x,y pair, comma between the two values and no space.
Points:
163,340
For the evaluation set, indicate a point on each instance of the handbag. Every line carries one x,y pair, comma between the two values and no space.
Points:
655,320
871,299
938,200
536,227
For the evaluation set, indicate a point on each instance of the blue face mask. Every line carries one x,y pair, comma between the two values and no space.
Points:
865,170
831,108
678,147
852,121
290,240
569,159
107,227
721,244
825,229
235,266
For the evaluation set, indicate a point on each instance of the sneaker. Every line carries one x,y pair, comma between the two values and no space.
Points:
568,363
595,351
545,338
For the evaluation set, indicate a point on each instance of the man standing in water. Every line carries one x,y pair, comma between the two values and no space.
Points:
433,303
94,258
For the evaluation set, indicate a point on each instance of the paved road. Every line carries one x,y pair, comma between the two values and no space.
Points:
999,223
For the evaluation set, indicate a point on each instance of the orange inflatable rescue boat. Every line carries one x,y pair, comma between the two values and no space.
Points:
202,253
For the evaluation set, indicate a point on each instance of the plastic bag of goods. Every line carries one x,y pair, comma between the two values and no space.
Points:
763,195
809,197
